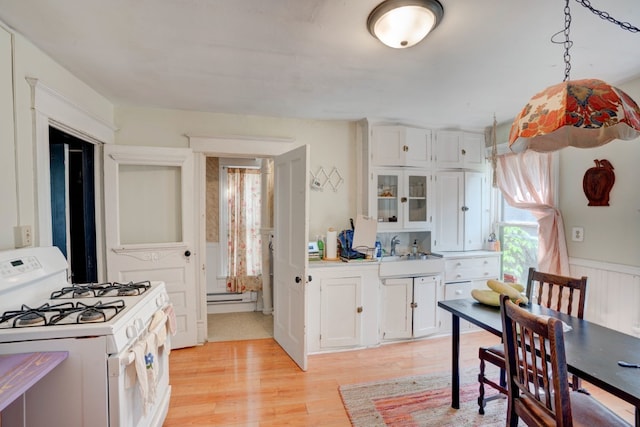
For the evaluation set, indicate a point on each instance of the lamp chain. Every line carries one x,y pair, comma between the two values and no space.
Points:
567,29
605,15
567,42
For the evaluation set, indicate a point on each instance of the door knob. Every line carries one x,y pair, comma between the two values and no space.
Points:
187,253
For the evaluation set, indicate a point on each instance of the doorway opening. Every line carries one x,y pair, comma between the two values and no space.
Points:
73,220
236,274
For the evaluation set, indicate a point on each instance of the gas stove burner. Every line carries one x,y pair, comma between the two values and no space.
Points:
128,292
101,290
131,288
30,318
83,313
79,291
91,315
27,316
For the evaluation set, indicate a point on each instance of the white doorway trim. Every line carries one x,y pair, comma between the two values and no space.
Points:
220,146
51,108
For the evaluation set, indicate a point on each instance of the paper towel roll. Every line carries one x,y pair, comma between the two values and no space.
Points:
331,245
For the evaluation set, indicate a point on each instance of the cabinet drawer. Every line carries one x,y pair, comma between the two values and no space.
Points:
471,268
457,290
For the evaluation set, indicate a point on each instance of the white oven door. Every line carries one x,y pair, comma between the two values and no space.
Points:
139,389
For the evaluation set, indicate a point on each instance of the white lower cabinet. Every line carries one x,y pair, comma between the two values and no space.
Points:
464,273
342,307
408,307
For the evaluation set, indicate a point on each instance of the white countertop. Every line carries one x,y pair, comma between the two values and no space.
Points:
340,263
460,254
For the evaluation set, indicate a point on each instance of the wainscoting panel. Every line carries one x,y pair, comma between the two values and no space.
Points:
613,294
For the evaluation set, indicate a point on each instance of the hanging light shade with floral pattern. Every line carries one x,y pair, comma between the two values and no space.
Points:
579,113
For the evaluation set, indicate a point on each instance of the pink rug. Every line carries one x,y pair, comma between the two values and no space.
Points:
420,401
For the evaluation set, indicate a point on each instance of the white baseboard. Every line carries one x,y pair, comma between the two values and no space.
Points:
231,308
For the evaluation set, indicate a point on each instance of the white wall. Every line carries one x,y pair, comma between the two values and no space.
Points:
611,233
19,204
332,145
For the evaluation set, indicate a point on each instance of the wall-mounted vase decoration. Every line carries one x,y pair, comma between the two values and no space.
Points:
598,182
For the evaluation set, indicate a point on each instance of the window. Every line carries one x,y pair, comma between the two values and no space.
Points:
518,234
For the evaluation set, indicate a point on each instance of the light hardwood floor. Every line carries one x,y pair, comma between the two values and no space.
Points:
254,382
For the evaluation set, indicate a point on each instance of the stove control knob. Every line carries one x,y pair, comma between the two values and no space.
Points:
160,300
139,324
131,331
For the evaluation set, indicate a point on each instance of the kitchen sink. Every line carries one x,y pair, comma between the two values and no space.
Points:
410,265
409,257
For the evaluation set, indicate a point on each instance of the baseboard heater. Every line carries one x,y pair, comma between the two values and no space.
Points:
230,297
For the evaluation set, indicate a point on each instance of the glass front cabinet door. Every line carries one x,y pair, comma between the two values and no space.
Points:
402,199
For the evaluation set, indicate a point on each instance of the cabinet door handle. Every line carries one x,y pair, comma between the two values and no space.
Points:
359,309
458,292
464,208
403,199
414,305
405,148
464,152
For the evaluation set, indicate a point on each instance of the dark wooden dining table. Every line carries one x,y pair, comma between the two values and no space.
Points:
592,350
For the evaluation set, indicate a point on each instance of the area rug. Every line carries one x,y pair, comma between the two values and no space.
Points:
420,401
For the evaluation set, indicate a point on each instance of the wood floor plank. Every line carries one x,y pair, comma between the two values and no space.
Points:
254,382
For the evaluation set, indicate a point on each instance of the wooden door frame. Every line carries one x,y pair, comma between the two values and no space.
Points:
220,146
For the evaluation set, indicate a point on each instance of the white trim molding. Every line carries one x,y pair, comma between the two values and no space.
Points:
68,116
50,108
240,146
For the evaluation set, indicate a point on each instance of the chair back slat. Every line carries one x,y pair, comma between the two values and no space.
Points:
558,292
537,369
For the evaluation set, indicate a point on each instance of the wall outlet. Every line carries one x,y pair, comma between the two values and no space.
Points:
577,234
23,235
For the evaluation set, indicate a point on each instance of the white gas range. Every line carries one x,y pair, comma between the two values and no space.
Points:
116,334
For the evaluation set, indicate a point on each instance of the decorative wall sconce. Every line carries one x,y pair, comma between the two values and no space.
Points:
598,182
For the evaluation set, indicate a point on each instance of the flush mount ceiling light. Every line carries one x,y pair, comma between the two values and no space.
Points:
403,23
580,113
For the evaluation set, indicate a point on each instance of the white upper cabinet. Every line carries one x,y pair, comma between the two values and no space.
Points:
401,198
459,150
462,218
400,146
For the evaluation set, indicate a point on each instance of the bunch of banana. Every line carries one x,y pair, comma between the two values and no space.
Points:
491,296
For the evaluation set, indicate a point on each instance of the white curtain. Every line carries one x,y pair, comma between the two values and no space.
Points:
527,182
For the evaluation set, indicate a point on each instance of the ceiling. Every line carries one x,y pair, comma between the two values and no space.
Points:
315,58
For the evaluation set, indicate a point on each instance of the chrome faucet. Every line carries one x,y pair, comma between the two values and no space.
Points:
394,242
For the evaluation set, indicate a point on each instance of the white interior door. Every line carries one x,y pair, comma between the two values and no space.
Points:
291,230
149,219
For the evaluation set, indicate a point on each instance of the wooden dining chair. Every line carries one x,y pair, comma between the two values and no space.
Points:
560,293
537,377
